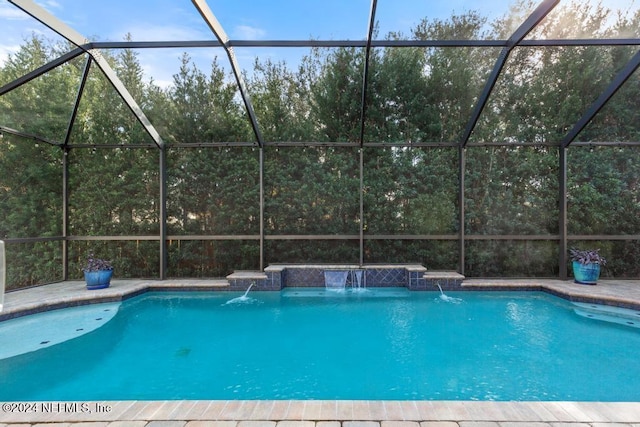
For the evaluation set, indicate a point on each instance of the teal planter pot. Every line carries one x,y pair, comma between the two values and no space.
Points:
98,279
586,274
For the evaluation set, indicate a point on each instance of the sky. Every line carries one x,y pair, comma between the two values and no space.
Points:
148,20
166,20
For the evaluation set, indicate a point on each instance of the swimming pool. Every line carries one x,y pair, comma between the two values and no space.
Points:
312,344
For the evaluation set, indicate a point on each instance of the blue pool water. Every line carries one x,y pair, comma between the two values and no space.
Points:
315,344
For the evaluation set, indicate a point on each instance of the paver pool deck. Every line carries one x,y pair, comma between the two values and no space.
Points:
313,413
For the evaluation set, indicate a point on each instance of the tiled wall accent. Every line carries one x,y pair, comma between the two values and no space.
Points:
415,279
313,276
448,281
386,276
243,284
276,277
240,281
304,277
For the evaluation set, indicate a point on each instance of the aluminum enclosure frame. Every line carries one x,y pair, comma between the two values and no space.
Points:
93,56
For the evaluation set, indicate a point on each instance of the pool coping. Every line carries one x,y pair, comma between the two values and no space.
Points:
325,413
315,413
618,293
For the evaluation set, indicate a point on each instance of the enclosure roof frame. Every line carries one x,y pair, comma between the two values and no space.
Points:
58,26
623,75
525,28
517,39
222,37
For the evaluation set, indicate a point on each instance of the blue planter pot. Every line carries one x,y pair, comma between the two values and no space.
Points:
98,279
586,274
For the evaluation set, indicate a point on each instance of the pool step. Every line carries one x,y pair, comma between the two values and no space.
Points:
42,330
607,313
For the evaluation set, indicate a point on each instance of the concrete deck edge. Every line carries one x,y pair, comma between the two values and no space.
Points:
322,410
607,293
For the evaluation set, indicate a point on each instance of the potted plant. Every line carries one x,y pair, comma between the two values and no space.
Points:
586,265
97,273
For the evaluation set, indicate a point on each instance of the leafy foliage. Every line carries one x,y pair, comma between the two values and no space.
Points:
587,256
410,194
97,264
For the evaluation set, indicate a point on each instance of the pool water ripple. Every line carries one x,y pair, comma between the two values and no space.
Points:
315,345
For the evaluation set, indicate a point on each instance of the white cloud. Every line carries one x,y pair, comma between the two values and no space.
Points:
49,5
5,51
161,72
149,32
246,32
52,4
10,12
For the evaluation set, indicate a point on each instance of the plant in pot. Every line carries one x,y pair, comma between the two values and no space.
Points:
586,265
97,273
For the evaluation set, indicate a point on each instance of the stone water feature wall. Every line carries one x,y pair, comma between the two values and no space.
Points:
278,276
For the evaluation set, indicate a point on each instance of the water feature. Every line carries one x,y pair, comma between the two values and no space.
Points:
338,279
357,282
335,279
446,298
244,299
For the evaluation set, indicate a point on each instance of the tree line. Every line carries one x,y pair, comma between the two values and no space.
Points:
414,95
